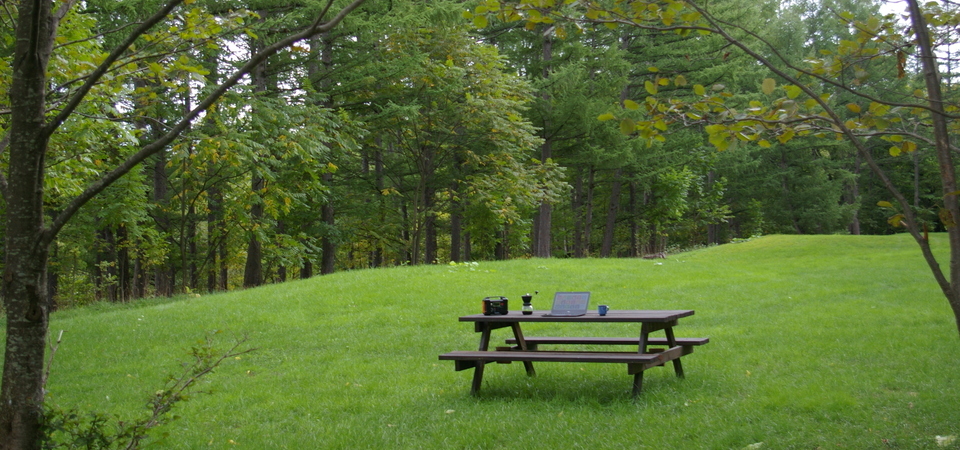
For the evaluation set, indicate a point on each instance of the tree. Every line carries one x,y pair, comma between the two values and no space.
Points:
804,103
37,113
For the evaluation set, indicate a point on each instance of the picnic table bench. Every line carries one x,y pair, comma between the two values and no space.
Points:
526,349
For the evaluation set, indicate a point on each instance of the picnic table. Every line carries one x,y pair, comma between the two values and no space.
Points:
649,351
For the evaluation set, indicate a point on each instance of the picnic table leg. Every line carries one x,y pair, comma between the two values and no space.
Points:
478,369
637,383
672,342
518,334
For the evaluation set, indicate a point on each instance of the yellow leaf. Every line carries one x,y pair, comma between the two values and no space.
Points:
663,82
884,204
680,80
894,151
853,107
630,104
699,89
606,117
653,69
769,84
786,136
480,21
628,126
908,146
897,220
650,87
764,143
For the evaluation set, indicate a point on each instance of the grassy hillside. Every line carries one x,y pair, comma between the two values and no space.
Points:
816,341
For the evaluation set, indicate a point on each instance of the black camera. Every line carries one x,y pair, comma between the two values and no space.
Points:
495,306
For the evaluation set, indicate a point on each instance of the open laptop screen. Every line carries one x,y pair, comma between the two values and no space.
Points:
570,303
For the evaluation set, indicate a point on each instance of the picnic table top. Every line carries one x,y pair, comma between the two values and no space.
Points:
614,315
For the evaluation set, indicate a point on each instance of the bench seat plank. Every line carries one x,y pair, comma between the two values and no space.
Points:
589,357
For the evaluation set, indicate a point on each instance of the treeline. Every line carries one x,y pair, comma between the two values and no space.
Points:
409,136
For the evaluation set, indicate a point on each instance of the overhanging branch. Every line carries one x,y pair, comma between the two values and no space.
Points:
98,186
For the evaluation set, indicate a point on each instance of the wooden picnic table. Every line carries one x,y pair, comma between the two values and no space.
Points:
527,349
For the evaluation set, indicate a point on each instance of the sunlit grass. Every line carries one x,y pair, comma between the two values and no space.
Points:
821,341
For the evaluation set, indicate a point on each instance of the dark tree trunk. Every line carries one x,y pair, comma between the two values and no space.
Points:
543,221
215,234
854,193
950,285
634,222
25,238
588,214
429,228
124,270
253,269
613,206
328,244
713,229
576,206
163,273
306,271
105,270
329,248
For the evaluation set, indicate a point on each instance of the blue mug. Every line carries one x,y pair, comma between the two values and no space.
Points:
602,309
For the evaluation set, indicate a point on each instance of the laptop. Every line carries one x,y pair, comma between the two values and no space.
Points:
569,304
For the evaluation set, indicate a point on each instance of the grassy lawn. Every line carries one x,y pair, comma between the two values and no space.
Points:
816,342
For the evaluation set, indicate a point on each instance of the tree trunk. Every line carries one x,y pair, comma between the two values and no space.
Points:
949,285
588,214
163,274
854,192
544,217
613,207
253,269
25,238
634,222
576,206
328,257
328,244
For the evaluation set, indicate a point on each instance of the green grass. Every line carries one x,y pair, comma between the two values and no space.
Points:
816,342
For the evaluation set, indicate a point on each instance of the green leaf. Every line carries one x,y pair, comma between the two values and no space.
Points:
628,126
792,91
480,22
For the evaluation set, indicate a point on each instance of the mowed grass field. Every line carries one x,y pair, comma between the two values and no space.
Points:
815,342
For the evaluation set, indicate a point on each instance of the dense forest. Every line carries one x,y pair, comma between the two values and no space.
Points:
422,132
162,147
